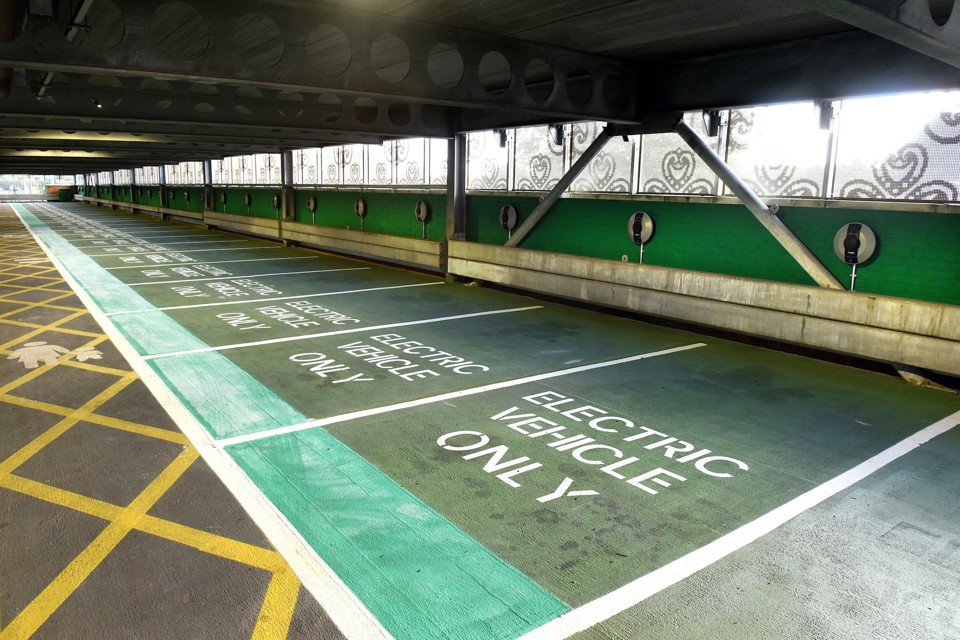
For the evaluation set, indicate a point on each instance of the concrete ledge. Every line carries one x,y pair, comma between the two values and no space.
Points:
176,213
244,224
413,251
897,330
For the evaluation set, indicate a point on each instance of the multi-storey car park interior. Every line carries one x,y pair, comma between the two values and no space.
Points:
624,319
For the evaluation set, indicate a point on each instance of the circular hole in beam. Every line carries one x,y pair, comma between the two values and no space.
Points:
258,40
105,27
365,110
495,75
399,114
390,57
179,31
328,49
538,78
445,65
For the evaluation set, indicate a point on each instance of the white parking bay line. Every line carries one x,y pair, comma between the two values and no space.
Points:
256,301
235,277
363,413
341,332
198,263
164,244
141,253
633,593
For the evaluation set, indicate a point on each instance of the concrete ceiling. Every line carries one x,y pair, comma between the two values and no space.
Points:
101,84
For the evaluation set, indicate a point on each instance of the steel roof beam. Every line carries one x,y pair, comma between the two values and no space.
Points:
909,23
106,103
307,47
823,68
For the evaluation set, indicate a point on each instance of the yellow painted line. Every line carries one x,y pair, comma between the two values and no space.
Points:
86,366
278,605
49,600
37,404
140,429
61,497
214,544
54,432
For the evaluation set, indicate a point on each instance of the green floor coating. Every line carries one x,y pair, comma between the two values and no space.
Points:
669,453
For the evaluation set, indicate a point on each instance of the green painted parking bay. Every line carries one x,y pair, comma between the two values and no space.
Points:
550,458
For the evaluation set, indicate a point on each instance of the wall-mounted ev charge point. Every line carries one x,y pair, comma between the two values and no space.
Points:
360,208
508,218
223,199
854,243
247,199
640,228
312,208
275,201
186,196
422,211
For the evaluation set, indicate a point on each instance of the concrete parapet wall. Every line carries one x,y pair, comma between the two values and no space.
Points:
244,224
896,330
422,253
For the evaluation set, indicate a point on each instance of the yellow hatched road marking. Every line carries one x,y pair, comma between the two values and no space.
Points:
96,418
29,305
210,543
53,280
33,325
94,367
36,373
42,607
6,296
50,327
279,603
54,432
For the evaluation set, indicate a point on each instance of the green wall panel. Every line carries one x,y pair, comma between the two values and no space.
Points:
917,257
390,213
178,201
261,201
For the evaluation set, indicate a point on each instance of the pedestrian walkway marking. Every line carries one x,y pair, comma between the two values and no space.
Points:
308,295
635,592
341,331
353,415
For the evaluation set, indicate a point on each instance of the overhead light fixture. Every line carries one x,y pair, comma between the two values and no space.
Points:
556,134
96,103
826,111
711,122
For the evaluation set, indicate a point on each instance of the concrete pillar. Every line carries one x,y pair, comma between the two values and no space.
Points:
288,199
